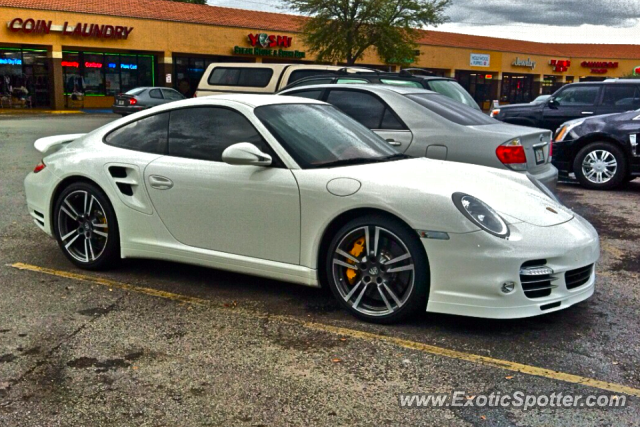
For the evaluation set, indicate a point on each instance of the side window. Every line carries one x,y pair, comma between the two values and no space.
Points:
247,77
578,96
365,108
311,94
618,95
171,94
205,132
155,93
148,135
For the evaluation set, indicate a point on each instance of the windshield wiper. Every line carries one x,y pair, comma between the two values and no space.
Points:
363,160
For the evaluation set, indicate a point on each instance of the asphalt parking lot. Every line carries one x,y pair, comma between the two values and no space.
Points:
163,344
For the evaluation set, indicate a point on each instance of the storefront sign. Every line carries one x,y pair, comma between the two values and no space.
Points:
262,43
70,64
599,67
10,61
167,78
480,60
524,63
636,71
560,65
265,40
81,29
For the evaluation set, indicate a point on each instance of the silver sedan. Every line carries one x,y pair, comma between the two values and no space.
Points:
423,123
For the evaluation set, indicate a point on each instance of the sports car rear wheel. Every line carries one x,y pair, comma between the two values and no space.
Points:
377,269
86,228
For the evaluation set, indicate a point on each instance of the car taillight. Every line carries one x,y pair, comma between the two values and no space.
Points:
133,101
495,112
39,167
195,95
512,155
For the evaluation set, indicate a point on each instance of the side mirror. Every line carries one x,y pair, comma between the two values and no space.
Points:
245,153
553,104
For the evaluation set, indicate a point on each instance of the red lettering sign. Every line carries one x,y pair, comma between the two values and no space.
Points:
560,65
70,64
266,40
599,67
81,29
92,65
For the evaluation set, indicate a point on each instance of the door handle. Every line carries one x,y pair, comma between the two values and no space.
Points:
587,112
393,142
160,182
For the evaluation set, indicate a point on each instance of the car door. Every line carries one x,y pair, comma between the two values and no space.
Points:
571,103
374,113
155,97
252,211
618,98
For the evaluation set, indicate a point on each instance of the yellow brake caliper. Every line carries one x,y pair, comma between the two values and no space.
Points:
357,249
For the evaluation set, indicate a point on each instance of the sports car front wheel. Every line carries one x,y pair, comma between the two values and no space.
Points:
377,269
85,227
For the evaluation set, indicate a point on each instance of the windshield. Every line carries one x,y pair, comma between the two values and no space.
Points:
453,90
318,135
452,110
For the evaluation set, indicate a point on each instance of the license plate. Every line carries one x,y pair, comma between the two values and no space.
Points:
120,102
539,152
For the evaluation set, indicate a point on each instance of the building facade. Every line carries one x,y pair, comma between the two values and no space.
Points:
71,53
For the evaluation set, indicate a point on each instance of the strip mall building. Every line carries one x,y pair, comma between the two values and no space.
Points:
99,48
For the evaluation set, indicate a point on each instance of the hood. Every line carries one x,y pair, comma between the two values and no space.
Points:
509,193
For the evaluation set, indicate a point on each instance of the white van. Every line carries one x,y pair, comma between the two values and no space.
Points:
240,77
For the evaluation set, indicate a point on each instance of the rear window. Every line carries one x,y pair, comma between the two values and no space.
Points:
247,77
452,110
453,90
301,74
136,91
401,83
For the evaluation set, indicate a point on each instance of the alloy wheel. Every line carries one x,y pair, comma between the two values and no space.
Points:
373,271
599,166
83,227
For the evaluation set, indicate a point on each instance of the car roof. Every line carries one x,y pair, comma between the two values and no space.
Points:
376,88
251,100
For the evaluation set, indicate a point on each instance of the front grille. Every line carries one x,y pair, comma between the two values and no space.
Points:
578,277
536,279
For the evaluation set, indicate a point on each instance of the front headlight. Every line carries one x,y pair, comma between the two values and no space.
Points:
566,128
481,214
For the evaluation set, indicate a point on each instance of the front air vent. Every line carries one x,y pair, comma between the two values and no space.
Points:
125,188
537,279
578,277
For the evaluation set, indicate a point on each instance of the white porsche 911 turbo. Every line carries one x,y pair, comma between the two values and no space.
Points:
294,190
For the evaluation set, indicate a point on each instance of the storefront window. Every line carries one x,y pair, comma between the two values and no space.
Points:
99,74
24,77
94,74
481,86
517,88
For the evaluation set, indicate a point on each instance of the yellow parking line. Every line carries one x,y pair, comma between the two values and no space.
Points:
353,333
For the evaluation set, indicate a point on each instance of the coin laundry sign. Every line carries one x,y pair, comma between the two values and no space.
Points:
80,29
264,44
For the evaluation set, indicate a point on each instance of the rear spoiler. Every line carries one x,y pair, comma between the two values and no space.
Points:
45,144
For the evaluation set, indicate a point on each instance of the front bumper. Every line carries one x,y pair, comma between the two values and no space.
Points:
467,271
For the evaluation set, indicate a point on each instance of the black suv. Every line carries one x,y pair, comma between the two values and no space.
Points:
574,101
410,77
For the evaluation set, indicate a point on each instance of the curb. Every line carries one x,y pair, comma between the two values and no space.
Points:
35,112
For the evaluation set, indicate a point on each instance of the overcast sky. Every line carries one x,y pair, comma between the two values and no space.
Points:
560,21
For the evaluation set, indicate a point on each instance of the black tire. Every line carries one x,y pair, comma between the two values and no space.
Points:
384,288
597,150
96,221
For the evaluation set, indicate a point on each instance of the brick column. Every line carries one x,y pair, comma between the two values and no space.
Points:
165,66
56,78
